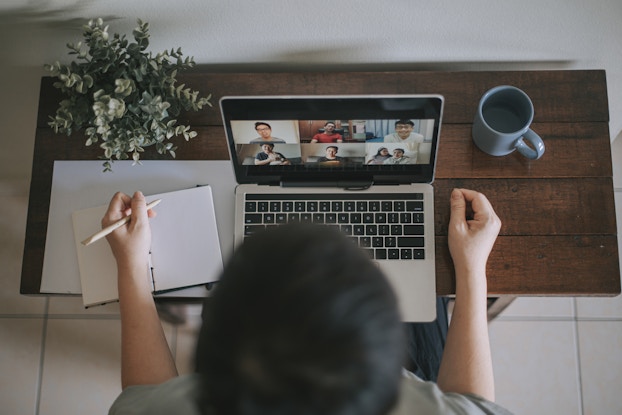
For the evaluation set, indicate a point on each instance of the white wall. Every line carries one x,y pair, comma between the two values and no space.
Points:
320,34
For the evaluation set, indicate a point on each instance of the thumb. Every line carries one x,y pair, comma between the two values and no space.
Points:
458,207
139,208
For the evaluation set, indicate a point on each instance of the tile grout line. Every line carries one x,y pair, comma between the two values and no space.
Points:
578,354
44,330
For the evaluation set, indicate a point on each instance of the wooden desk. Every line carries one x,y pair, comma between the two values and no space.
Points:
559,224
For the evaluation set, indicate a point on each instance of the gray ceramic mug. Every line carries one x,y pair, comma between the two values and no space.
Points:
502,122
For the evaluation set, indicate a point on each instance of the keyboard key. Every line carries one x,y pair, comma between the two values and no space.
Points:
390,242
281,218
275,206
324,206
396,229
386,206
305,217
410,242
374,206
318,218
399,206
253,218
312,207
381,254
331,218
361,206
365,242
293,217
262,206
336,206
393,254
300,206
251,229
358,229
393,217
380,218
371,230
377,241
413,206
418,254
383,229
355,218
349,206
405,217
288,206
268,218
347,229
250,207
417,217
413,229
406,254
343,218
368,217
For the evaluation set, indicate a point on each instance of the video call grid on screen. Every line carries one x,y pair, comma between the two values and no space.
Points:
351,142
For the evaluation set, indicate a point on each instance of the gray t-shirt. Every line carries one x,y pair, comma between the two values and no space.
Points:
416,397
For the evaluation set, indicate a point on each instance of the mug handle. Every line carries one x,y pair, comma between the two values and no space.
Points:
535,141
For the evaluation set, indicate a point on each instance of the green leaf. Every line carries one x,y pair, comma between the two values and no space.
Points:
121,93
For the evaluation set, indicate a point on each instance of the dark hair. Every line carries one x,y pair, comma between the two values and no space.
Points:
380,149
410,122
314,329
329,122
266,144
399,149
257,124
335,147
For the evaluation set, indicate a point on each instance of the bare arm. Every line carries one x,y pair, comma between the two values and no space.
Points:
466,366
145,355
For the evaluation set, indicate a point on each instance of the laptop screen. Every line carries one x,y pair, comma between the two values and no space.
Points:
319,140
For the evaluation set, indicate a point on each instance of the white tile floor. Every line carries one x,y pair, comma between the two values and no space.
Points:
551,355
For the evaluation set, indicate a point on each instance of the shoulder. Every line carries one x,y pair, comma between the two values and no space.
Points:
389,138
176,396
417,396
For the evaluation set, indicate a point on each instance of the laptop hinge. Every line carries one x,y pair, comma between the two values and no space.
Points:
347,185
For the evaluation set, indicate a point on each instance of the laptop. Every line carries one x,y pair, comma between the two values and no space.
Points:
361,163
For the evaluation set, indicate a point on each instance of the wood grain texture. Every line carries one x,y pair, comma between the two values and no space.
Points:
559,233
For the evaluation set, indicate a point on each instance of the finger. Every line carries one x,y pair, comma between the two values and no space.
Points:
479,203
139,209
116,208
458,207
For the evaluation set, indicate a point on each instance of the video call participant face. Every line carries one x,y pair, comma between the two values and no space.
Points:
331,152
329,128
264,130
404,129
267,148
398,153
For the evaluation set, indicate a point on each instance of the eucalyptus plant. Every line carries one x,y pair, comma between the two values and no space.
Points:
125,97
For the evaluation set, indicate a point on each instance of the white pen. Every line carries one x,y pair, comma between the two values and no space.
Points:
109,229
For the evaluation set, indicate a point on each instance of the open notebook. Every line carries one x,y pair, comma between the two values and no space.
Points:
185,249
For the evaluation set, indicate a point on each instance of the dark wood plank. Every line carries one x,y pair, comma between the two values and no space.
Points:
538,206
558,96
543,265
572,150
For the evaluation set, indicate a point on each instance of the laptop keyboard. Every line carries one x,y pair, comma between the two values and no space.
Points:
386,225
